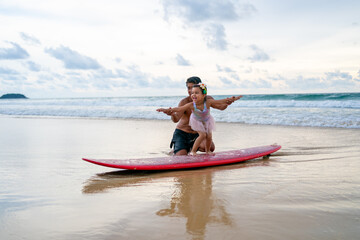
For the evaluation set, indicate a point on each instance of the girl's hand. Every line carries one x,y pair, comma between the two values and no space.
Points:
233,99
167,111
236,98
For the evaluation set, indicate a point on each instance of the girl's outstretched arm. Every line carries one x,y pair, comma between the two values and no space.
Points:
216,105
170,110
227,101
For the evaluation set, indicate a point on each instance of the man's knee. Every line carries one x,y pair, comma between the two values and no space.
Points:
181,152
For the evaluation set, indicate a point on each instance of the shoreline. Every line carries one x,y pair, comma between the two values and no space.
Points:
161,120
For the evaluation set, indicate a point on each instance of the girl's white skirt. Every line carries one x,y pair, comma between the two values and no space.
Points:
200,126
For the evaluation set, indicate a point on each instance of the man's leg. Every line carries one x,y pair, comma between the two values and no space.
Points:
181,152
180,142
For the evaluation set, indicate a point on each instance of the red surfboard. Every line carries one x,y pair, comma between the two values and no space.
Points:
182,162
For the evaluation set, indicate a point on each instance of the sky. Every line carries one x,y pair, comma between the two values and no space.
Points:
114,48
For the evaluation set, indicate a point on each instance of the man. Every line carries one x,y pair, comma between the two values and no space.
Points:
184,137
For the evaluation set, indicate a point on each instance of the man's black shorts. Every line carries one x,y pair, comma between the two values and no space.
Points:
183,140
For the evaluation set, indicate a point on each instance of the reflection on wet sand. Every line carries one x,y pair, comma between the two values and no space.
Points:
195,201
193,198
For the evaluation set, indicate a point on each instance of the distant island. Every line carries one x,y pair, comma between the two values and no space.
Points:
12,96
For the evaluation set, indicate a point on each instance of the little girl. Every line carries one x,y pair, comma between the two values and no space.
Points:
200,119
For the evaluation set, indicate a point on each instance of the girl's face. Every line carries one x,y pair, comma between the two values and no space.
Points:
196,95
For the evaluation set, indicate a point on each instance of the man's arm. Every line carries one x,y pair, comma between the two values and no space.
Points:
176,116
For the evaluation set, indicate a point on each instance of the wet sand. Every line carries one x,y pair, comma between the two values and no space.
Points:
307,190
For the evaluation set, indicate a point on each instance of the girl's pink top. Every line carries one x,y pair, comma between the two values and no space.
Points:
203,115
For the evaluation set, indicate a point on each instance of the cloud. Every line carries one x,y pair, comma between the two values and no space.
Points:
10,76
339,79
332,80
252,84
208,15
235,76
33,66
229,73
14,52
29,39
225,81
257,84
193,11
8,71
224,69
73,59
165,82
182,61
136,77
104,79
259,54
131,77
245,84
215,37
303,83
203,10
338,76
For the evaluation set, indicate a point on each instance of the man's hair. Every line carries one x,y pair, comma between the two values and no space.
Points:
194,80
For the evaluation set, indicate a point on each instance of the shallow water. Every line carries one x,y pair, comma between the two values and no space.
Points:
307,190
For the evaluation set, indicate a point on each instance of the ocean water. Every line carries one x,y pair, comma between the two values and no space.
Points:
337,110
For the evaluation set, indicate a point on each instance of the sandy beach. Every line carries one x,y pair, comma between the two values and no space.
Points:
307,190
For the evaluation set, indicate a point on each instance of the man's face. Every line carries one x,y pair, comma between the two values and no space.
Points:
189,87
